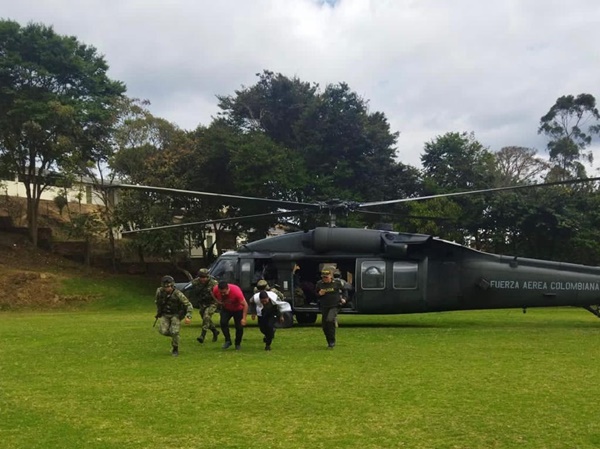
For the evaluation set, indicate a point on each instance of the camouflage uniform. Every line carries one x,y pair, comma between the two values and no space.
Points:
171,308
201,294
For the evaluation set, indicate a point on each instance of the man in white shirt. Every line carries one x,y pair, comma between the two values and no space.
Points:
269,309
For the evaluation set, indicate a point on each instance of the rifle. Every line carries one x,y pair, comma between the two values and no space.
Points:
155,320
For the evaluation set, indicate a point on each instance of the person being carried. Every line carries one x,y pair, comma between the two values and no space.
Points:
171,307
201,290
233,305
269,310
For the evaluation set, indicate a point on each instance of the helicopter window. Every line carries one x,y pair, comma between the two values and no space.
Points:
265,269
224,270
405,275
245,274
373,274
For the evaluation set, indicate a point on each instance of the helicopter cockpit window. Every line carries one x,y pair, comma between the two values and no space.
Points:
372,274
405,275
224,270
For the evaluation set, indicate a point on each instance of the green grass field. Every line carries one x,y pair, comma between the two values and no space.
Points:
100,376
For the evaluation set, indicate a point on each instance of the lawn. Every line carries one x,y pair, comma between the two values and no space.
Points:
99,376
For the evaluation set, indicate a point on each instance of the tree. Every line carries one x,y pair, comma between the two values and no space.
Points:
340,148
565,125
150,151
348,150
274,105
458,162
518,165
56,106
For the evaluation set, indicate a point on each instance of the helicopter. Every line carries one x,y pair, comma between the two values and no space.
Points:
394,272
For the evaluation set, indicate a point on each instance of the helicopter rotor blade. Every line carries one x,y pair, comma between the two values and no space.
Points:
471,192
404,217
218,220
277,203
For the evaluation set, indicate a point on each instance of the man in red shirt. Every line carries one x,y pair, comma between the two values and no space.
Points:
233,304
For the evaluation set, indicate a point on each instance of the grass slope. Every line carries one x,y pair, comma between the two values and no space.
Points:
101,377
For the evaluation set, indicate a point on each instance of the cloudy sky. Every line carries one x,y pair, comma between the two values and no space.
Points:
431,66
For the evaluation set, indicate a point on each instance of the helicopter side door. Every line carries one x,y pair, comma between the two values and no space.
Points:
389,286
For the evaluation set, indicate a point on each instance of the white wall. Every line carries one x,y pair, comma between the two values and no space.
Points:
88,195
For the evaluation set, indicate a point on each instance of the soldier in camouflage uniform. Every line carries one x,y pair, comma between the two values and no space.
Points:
201,290
264,285
171,307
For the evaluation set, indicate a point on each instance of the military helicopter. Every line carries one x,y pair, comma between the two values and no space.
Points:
395,272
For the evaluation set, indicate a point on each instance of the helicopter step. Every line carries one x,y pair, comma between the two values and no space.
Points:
595,309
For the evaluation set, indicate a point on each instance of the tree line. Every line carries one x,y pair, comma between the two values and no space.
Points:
281,138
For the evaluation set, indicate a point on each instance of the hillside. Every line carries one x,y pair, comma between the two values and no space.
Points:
30,277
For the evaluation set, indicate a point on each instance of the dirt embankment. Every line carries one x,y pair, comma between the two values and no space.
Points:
30,277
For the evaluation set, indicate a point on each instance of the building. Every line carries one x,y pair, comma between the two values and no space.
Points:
82,191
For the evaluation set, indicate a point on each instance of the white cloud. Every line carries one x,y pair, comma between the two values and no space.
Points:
430,66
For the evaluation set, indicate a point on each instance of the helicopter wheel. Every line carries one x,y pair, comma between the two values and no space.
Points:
288,320
306,317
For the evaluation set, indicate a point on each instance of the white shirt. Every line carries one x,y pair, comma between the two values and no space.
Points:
283,306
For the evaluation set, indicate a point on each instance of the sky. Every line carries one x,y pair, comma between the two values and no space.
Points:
493,68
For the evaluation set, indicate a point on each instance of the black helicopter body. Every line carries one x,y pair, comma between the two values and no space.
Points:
398,273
391,272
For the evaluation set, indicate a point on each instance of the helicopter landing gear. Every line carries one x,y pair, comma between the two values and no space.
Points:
288,321
306,317
595,309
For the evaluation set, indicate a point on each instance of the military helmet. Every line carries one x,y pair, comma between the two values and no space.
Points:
262,284
203,273
167,281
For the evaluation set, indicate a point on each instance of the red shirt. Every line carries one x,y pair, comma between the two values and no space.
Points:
234,301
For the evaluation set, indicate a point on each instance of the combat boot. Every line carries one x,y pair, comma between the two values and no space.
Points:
201,337
175,351
215,335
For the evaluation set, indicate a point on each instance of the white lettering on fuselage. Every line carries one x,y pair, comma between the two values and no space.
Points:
506,284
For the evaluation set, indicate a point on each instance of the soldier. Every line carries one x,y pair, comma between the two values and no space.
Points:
299,295
171,307
201,290
329,291
344,292
263,285
346,287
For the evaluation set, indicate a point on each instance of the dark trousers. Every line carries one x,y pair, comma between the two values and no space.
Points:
328,315
266,324
226,315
